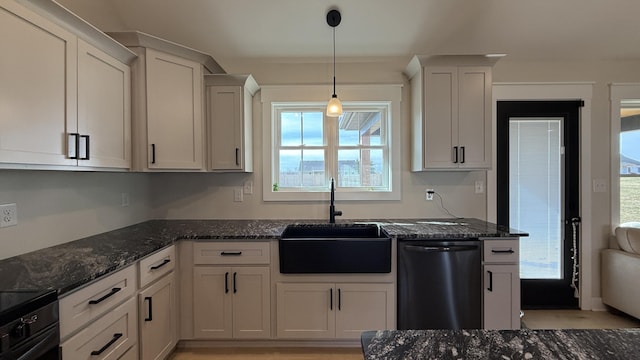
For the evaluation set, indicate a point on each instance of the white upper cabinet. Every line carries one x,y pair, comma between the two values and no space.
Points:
64,100
37,88
229,117
168,108
451,112
104,108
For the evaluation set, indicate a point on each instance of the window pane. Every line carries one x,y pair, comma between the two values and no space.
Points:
312,125
290,128
372,168
629,164
360,128
290,175
349,168
313,168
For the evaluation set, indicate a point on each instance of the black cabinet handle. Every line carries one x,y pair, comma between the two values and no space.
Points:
339,300
226,282
111,293
237,156
73,145
106,346
455,154
156,267
331,299
149,308
510,251
153,153
86,147
462,151
490,288
235,289
231,253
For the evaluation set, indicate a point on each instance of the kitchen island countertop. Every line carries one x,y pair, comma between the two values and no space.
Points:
71,265
593,344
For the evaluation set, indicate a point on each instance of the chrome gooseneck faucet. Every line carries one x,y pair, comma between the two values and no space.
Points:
332,208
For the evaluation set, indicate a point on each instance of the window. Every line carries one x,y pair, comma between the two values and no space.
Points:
629,160
306,149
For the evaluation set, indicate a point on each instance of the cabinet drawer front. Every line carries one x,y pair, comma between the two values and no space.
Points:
154,266
231,252
107,338
501,251
94,300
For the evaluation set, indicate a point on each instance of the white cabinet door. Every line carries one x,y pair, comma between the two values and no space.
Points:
104,108
174,89
225,111
231,302
212,302
501,296
251,302
474,117
38,88
440,117
305,311
363,307
158,319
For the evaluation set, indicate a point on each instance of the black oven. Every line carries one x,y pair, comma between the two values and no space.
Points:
29,327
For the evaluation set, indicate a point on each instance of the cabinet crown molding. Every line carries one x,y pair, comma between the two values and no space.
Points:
419,61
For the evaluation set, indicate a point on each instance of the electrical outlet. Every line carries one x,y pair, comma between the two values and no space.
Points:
248,187
125,200
237,195
479,186
429,195
8,215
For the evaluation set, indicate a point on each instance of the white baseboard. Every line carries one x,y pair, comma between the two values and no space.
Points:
597,304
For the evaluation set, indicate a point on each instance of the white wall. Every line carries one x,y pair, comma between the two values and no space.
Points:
55,207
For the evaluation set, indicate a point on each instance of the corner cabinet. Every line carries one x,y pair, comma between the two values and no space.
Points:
229,118
82,117
333,310
501,284
451,112
167,101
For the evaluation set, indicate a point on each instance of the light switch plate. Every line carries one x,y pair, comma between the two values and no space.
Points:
8,215
248,187
237,195
479,186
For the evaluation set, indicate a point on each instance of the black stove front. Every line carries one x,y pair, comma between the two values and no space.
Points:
29,327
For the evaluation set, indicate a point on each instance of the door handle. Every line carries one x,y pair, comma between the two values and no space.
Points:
226,282
106,346
231,253
331,299
339,299
153,153
85,147
510,251
73,143
105,297
156,267
237,156
455,154
490,288
462,151
149,301
235,289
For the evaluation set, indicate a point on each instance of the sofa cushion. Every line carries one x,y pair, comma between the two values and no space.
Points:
628,236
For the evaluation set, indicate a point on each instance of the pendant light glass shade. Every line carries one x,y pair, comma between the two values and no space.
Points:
334,107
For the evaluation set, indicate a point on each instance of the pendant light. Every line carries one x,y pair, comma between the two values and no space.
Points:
334,107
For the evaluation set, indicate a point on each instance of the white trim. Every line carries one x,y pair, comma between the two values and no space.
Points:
318,93
556,91
617,92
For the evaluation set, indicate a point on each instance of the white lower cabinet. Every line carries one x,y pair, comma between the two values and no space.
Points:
231,302
109,337
333,310
501,284
157,318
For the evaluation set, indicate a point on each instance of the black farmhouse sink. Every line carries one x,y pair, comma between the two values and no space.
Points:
334,249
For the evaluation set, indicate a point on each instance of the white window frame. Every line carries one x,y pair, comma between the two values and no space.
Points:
350,95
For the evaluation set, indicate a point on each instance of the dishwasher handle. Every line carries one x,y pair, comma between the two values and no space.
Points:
443,248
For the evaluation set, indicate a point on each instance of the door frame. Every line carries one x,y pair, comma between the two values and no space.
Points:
552,92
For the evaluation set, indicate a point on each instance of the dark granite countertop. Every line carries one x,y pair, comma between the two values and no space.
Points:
71,265
502,344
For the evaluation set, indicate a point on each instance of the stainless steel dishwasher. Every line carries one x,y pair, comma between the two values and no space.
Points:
439,284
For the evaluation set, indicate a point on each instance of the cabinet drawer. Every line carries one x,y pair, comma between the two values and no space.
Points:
231,252
501,251
94,300
154,266
109,337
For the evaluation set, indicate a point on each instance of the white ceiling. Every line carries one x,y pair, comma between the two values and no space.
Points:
296,30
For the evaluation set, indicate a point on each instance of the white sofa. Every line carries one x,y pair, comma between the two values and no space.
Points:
621,270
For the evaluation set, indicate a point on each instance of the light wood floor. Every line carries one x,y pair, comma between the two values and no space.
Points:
534,319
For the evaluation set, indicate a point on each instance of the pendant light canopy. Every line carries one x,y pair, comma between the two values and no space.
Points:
334,107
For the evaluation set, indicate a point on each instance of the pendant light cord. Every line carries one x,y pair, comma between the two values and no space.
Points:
334,61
